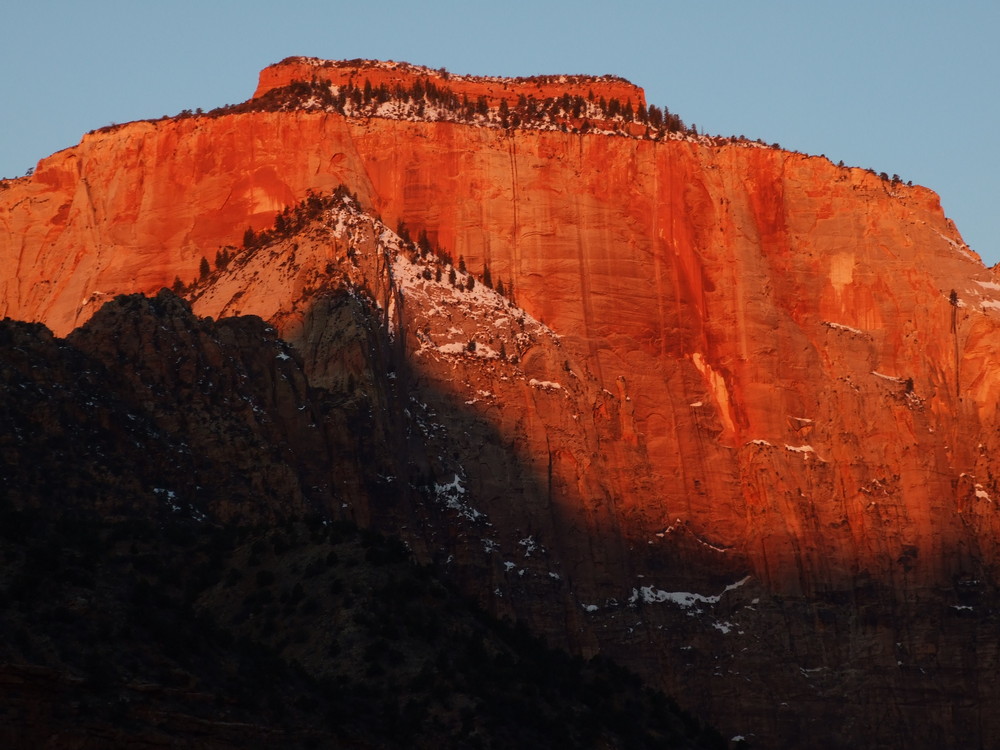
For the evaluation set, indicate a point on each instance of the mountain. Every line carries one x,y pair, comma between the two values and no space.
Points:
720,412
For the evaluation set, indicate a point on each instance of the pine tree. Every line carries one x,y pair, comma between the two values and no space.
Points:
423,243
655,116
203,268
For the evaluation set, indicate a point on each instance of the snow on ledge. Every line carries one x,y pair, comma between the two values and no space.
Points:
683,599
806,451
961,248
842,327
545,385
481,350
800,448
890,378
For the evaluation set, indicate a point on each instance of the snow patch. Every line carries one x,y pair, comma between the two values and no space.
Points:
807,672
529,544
800,448
842,327
452,494
683,599
546,385
961,248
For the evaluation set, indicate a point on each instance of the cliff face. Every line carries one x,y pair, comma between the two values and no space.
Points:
732,371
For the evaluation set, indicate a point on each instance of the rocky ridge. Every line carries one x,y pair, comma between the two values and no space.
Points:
159,590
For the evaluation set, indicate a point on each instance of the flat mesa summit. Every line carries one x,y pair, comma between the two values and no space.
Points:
724,413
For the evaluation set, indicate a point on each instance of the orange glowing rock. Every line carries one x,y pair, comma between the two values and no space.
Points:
756,348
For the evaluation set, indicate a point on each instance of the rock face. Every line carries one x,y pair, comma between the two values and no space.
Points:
739,403
404,75
172,577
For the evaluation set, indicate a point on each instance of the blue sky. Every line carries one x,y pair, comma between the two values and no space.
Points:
901,87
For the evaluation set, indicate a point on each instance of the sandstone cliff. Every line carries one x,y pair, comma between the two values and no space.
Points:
734,382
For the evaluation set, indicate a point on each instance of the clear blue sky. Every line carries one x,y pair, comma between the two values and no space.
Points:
907,87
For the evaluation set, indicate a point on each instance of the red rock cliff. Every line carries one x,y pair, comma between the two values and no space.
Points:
404,75
772,290
769,355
